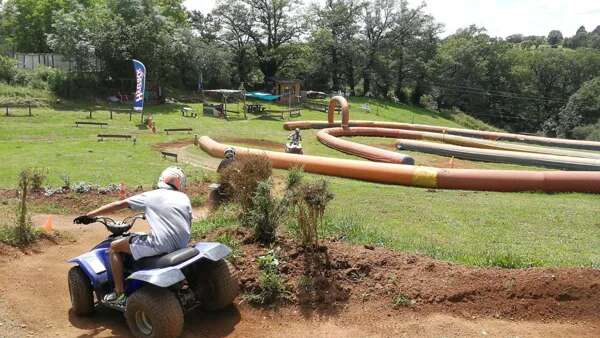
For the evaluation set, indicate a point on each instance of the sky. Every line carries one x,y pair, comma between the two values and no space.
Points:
499,17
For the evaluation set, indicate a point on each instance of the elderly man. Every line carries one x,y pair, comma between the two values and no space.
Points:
168,211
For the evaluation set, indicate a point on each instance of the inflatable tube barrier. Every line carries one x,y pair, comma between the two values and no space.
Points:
494,136
425,177
501,156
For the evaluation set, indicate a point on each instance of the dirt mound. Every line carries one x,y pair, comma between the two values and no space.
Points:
70,202
358,274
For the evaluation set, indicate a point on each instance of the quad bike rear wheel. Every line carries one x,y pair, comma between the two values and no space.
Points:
154,312
80,290
217,284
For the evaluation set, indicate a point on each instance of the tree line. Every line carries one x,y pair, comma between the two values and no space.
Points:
379,48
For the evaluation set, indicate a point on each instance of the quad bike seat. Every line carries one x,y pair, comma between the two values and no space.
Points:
162,261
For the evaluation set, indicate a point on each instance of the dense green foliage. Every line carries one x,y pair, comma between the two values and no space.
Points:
382,48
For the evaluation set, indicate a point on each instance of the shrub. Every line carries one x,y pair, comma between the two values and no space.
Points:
589,132
265,213
309,201
428,102
24,233
243,177
8,69
66,179
402,300
270,284
294,177
38,177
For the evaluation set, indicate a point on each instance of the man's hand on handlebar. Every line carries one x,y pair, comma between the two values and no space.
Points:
84,219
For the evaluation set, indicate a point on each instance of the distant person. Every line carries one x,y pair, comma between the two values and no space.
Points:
228,160
295,137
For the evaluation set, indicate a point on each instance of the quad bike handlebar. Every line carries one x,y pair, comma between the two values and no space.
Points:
117,228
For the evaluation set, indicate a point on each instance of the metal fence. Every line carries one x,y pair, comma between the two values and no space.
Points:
31,61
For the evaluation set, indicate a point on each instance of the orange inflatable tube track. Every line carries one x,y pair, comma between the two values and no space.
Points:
398,170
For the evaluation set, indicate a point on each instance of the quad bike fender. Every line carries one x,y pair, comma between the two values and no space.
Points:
92,265
171,275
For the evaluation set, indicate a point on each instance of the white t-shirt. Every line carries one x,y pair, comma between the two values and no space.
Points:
169,213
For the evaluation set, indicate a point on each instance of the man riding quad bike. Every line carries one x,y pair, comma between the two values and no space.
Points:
153,278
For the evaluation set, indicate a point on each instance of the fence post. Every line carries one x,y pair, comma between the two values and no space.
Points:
130,113
7,110
29,105
110,113
90,113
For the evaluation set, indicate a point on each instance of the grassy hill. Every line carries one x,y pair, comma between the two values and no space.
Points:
478,228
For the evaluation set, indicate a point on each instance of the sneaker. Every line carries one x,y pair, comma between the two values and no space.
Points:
114,299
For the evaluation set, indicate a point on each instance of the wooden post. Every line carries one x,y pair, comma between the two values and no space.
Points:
29,105
142,117
6,110
110,113
90,113
130,113
196,140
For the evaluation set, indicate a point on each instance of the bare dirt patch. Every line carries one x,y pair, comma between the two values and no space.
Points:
358,274
34,298
253,142
173,144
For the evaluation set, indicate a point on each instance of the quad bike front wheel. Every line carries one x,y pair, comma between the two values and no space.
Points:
154,312
219,285
80,290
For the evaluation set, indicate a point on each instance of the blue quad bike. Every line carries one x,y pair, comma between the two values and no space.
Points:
160,289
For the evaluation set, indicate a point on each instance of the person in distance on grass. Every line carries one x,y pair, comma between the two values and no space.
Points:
169,213
228,160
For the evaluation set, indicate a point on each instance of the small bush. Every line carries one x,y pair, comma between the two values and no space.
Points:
590,132
294,177
8,69
265,213
428,102
243,177
309,202
402,300
18,230
66,179
268,262
270,284
38,177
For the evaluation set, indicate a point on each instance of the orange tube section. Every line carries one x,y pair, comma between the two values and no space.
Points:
427,177
343,103
495,136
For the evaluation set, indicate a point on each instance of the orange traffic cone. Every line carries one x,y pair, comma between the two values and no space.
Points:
122,191
48,227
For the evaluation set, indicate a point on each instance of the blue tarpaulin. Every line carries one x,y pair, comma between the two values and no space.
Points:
262,96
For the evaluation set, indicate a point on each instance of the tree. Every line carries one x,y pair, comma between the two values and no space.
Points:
555,37
27,22
378,22
335,29
583,107
273,26
233,17
205,25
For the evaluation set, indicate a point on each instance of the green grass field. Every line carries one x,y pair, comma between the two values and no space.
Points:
475,228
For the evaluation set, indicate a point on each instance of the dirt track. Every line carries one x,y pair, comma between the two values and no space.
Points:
34,301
